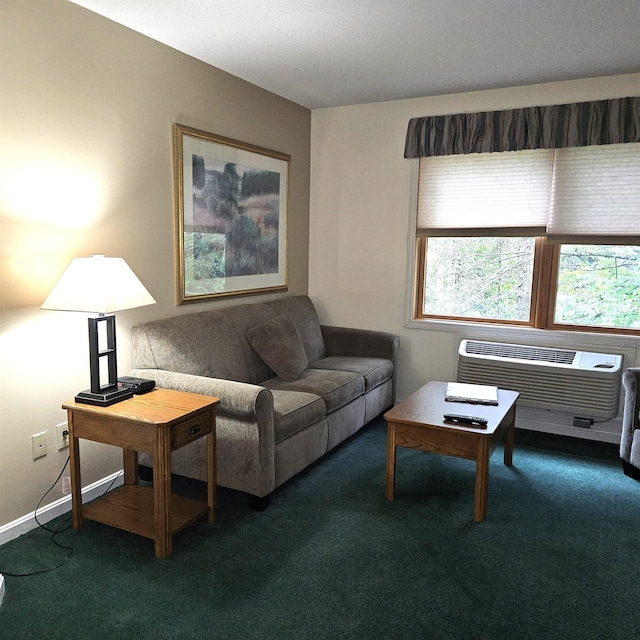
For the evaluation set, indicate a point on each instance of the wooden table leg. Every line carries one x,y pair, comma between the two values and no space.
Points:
162,493
391,460
482,481
130,464
509,437
74,471
211,469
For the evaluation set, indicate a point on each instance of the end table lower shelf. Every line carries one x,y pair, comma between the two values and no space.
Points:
130,508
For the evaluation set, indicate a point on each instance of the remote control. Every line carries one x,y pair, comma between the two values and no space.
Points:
474,421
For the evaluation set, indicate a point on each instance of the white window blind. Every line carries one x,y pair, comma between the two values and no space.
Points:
596,194
485,193
572,195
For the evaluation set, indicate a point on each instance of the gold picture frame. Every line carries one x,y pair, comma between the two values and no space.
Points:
231,209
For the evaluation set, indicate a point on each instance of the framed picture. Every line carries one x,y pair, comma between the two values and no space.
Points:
231,216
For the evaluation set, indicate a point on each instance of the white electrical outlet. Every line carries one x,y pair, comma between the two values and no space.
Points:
66,486
39,445
62,435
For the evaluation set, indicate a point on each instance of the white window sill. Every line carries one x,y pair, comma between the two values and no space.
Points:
583,340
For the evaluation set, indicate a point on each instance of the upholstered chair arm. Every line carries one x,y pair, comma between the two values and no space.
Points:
631,409
364,343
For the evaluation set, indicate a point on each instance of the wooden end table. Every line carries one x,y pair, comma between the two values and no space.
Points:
156,423
418,423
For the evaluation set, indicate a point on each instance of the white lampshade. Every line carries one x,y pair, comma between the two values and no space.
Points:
98,285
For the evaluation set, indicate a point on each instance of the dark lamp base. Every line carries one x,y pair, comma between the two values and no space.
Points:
105,397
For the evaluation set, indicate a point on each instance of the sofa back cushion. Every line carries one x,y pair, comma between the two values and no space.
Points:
215,343
304,315
279,345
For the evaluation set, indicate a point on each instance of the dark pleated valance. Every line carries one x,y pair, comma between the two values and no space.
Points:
552,127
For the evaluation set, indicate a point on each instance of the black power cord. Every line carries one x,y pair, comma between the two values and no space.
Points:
63,526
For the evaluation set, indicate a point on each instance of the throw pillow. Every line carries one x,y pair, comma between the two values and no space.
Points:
280,347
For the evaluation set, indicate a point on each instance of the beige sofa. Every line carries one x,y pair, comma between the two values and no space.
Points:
290,389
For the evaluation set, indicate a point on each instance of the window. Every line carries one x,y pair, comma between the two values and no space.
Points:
488,278
545,238
598,286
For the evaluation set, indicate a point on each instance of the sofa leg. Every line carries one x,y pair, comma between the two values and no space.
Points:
630,470
258,504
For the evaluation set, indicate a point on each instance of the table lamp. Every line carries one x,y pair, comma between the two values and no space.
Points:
99,285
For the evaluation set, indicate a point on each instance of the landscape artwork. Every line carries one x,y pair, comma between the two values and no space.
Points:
231,216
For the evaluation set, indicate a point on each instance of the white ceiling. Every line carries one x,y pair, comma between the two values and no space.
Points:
323,53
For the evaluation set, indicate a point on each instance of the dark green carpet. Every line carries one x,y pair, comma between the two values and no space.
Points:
556,558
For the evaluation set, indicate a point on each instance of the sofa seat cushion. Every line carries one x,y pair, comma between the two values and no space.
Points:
278,343
336,388
374,370
294,411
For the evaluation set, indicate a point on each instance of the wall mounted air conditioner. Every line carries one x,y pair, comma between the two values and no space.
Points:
579,382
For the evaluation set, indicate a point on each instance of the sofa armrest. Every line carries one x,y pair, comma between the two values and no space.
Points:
364,343
237,399
244,431
630,411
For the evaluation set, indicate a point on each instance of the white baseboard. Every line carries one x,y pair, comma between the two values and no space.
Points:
28,522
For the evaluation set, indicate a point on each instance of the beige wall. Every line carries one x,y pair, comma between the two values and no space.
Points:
361,216
86,167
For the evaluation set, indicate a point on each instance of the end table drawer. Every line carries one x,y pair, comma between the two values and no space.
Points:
190,430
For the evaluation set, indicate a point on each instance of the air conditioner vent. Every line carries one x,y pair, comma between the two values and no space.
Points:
521,352
584,383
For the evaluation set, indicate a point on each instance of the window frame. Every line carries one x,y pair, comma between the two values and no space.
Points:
544,285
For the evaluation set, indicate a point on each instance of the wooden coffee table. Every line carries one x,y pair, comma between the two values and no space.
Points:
418,423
